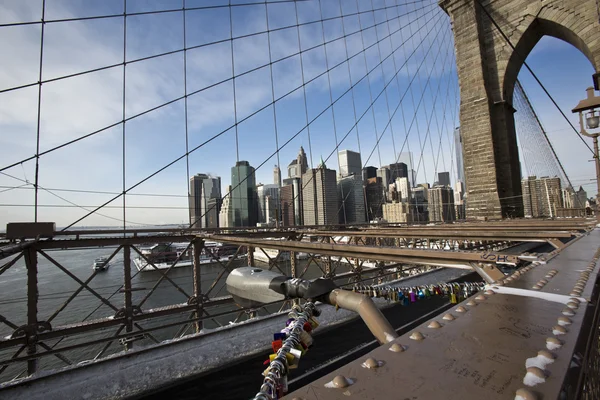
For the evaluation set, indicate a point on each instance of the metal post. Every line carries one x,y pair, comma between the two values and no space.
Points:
328,260
127,291
368,311
597,160
198,245
251,256
32,298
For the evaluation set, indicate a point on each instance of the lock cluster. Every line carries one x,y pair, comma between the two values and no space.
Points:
457,292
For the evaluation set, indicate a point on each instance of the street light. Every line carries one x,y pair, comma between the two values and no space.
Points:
590,106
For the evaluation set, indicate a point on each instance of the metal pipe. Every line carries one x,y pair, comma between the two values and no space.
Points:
368,311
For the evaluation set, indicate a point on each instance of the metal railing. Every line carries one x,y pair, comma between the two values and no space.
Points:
50,328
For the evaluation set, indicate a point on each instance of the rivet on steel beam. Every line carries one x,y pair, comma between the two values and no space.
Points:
534,376
536,287
339,382
434,325
549,276
397,348
559,330
525,394
564,321
553,343
575,293
461,309
575,300
448,317
543,281
417,336
568,312
471,303
546,354
371,363
481,297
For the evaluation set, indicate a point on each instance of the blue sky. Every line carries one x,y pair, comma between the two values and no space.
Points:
419,36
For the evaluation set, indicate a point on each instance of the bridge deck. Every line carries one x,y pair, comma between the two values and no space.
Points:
483,352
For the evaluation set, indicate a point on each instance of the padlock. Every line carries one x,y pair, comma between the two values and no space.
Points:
279,336
296,354
276,345
413,296
307,327
306,339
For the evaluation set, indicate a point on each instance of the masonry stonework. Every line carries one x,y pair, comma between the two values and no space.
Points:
487,71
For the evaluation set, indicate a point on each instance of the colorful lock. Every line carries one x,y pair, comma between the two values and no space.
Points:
276,345
306,339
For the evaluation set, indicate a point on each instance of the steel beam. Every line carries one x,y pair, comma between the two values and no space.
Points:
432,257
456,235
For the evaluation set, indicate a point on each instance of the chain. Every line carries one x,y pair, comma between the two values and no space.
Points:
275,382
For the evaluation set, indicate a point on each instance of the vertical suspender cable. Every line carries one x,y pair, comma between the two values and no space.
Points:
39,112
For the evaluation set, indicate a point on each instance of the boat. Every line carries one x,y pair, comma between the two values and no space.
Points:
164,255
101,264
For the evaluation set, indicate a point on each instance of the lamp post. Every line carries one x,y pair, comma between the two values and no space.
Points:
590,106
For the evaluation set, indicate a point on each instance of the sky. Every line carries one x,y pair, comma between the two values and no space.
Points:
411,84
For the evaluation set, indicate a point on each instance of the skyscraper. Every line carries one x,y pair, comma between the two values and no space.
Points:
384,174
541,197
203,188
398,170
350,163
459,202
443,178
403,189
397,212
264,191
286,195
369,172
441,204
351,200
296,199
277,176
406,158
319,196
226,213
244,197
375,198
460,169
299,165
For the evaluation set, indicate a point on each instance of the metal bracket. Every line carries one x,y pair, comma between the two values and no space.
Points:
124,312
489,272
556,243
198,300
30,332
131,339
